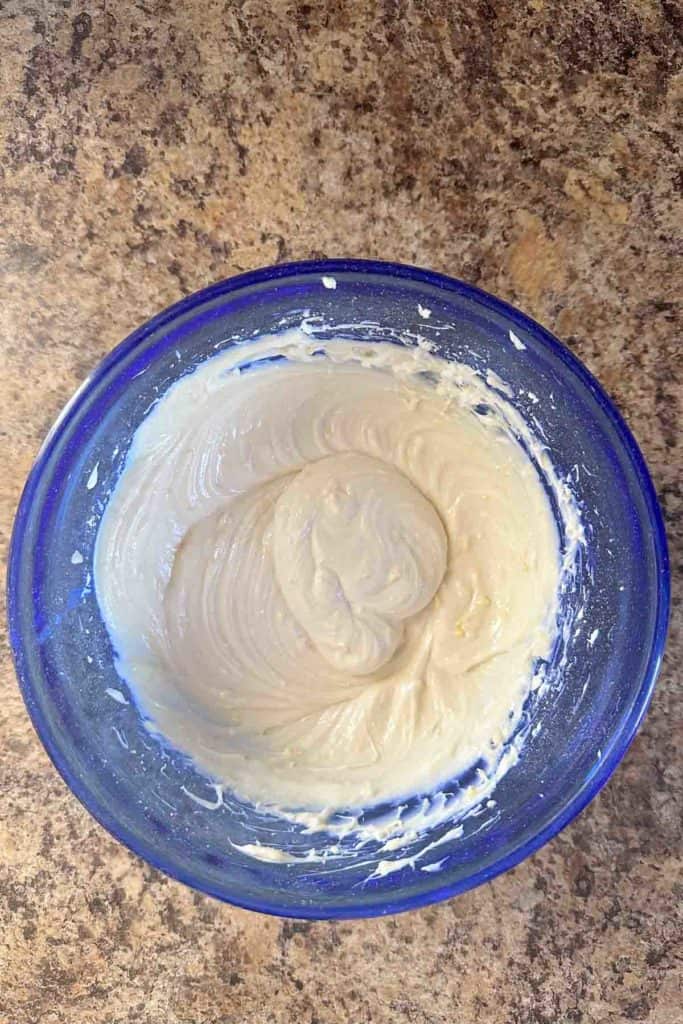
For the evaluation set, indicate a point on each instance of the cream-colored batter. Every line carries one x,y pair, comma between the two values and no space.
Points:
326,579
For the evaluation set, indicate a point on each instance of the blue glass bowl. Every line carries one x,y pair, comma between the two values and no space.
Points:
151,797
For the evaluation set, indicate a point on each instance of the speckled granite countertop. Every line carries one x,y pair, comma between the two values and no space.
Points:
148,148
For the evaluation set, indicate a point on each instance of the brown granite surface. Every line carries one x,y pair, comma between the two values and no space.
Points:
150,147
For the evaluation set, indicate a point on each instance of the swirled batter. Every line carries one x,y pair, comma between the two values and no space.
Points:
327,579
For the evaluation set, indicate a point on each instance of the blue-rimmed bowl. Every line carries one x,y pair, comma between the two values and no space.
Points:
152,798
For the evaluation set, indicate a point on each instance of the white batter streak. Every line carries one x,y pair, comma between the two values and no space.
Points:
327,580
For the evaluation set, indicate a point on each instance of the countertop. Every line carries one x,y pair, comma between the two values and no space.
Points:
149,148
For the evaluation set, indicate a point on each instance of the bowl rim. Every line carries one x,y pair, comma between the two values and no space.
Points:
566,813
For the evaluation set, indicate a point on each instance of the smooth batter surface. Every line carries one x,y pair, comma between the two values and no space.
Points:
327,580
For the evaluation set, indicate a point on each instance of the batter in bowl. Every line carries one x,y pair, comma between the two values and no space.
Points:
329,579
